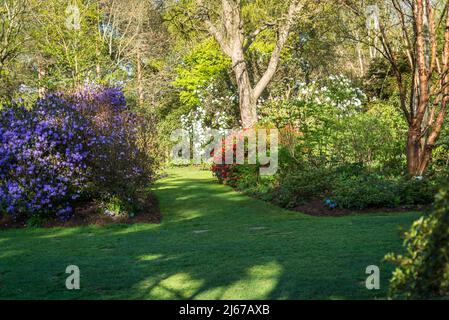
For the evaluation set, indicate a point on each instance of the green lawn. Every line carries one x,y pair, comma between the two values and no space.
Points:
213,243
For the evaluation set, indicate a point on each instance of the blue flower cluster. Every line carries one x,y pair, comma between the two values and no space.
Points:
331,204
64,146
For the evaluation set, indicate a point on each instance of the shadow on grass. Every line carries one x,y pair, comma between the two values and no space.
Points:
213,243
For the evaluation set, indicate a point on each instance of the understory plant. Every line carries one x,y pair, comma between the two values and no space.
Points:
121,165
337,148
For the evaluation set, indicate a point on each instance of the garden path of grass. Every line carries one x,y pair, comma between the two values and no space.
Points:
213,243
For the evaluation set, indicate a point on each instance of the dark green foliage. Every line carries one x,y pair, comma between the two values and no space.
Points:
374,190
297,188
423,272
353,187
380,80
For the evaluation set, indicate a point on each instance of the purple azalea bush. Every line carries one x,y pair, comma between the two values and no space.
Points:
119,167
66,146
43,154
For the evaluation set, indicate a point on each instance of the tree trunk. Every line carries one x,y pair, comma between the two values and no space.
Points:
413,152
41,73
139,79
247,101
230,35
425,107
248,107
419,153
97,66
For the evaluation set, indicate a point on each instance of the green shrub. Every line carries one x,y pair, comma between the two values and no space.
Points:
115,207
364,191
417,192
423,272
374,189
350,187
295,189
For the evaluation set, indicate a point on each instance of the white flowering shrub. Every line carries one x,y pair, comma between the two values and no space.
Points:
198,123
337,97
217,99
217,109
332,123
341,94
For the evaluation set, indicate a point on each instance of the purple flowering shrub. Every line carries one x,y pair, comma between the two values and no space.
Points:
43,153
66,146
121,166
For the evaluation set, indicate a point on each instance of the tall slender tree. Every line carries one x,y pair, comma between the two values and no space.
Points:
418,32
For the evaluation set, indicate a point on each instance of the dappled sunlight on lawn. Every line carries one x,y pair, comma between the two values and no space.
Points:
11,254
260,280
212,244
177,286
57,233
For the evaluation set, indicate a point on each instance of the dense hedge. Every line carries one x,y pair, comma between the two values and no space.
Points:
345,187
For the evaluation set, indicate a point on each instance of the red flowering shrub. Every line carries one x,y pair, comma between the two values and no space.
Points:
233,174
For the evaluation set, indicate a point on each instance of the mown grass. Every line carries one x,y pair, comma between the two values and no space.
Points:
213,243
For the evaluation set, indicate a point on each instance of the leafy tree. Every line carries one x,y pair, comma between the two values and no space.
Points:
229,26
199,67
419,31
65,39
13,17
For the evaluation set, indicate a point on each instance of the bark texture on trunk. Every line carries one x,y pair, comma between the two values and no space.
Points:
139,78
41,74
230,35
425,102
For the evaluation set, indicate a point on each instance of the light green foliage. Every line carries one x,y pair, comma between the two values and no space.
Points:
15,17
198,69
336,97
441,153
68,47
332,125
116,207
338,146
423,272
375,136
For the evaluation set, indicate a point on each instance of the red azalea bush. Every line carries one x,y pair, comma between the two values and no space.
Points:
233,174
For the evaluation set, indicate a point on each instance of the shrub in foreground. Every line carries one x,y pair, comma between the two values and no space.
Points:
121,165
423,272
